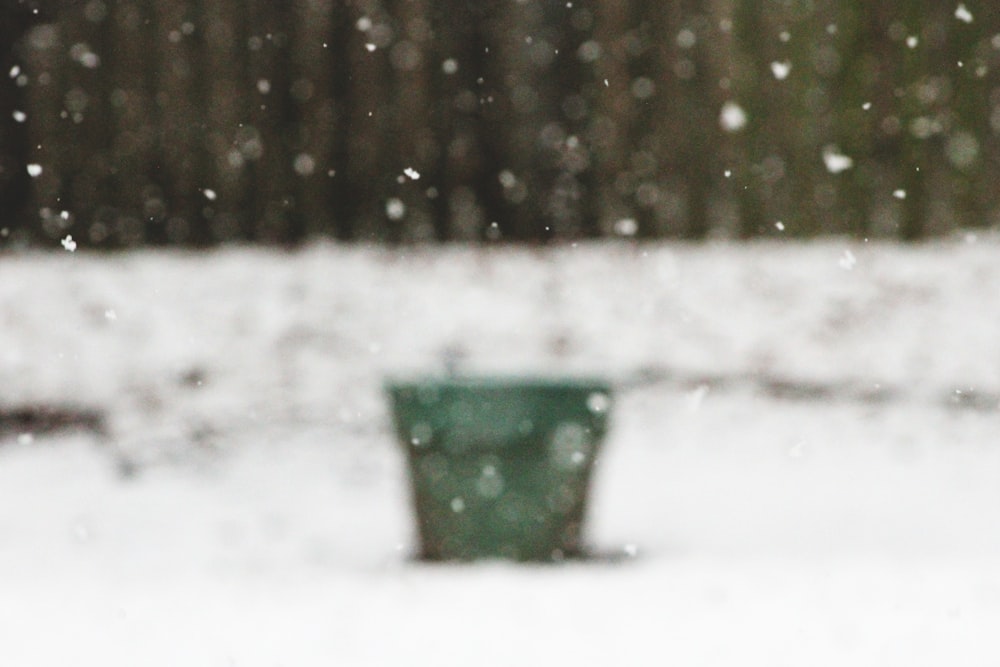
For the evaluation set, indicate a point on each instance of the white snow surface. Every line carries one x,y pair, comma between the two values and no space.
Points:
802,467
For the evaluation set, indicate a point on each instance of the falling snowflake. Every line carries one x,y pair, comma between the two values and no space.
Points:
836,161
796,451
899,194
68,243
304,164
412,173
209,194
697,397
395,209
732,118
963,14
781,70
598,402
34,170
82,54
626,227
848,260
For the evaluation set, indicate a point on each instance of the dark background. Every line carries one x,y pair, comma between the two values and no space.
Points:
172,122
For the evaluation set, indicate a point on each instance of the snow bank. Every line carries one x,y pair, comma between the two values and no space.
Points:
801,468
212,341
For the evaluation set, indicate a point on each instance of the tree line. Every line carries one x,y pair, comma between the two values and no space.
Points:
184,122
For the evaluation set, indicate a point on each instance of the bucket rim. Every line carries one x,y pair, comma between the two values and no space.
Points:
499,381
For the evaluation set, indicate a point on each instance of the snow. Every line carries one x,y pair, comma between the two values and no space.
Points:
801,467
963,14
781,69
848,261
395,209
304,164
626,227
732,117
835,161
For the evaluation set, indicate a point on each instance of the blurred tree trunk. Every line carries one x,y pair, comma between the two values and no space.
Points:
462,196
374,214
577,105
517,107
84,134
698,90
339,47
748,133
973,145
552,50
859,96
268,93
131,124
225,88
613,112
180,163
314,136
693,58
416,147
15,184
48,147
913,67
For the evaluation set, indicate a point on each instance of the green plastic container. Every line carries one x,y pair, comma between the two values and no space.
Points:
500,467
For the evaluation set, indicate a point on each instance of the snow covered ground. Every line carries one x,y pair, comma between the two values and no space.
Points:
802,470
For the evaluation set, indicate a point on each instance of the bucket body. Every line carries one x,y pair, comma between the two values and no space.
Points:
500,467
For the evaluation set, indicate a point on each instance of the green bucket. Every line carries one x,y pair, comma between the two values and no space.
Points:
500,467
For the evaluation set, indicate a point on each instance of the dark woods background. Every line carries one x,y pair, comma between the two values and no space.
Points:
199,122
